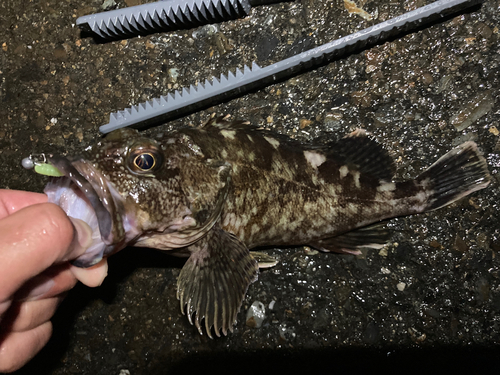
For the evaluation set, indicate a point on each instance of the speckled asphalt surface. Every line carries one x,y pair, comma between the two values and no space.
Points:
430,301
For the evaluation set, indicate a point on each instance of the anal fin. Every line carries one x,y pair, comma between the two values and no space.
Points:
214,280
373,236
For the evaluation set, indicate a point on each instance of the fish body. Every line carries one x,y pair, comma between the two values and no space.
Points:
213,192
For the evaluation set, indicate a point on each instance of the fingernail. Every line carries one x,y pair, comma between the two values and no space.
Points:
81,240
4,306
45,284
93,276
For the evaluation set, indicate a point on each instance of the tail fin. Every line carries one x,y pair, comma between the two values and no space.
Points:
458,173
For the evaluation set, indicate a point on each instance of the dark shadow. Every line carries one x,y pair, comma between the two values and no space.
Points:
440,360
121,266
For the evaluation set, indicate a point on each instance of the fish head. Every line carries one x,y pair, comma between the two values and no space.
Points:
128,189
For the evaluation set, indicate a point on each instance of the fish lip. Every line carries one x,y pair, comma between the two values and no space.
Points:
86,184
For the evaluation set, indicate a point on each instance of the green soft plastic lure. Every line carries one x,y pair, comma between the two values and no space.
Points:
48,170
39,163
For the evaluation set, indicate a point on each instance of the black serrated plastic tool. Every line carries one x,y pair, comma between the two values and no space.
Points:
166,15
216,90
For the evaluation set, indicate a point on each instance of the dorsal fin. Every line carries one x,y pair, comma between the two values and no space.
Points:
358,150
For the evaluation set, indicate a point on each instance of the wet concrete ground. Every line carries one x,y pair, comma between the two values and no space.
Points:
430,300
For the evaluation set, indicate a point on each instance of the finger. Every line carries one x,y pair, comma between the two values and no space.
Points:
14,200
17,348
92,276
29,246
25,316
55,280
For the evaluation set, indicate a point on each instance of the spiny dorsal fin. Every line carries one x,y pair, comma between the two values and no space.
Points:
365,154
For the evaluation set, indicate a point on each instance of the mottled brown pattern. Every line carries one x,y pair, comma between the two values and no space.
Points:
215,191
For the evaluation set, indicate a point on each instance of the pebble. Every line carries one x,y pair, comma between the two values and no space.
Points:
108,4
476,108
385,271
256,314
174,74
482,290
286,333
352,8
303,123
383,252
460,245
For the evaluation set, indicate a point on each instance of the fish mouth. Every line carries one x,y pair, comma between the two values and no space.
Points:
85,194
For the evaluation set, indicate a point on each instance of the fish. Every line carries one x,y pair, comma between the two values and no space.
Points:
213,192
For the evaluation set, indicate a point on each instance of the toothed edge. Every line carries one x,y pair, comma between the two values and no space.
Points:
218,89
181,98
161,16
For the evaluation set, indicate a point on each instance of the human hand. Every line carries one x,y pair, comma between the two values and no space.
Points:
37,241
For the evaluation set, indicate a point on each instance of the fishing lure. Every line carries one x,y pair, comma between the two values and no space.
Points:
41,166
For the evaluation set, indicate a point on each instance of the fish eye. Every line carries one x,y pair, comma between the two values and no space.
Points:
143,160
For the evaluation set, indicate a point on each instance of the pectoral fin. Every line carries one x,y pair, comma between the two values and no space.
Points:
206,201
214,280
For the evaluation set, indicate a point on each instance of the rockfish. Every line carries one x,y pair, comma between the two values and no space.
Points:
213,192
